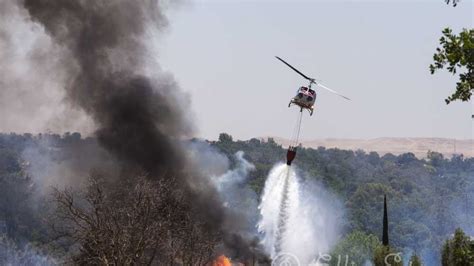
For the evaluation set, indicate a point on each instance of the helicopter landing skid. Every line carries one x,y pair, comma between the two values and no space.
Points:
310,110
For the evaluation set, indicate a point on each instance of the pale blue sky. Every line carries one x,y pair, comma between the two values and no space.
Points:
375,52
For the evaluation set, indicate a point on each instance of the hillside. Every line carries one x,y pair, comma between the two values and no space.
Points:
428,198
396,146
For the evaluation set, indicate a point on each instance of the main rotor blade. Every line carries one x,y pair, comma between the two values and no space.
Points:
297,71
333,91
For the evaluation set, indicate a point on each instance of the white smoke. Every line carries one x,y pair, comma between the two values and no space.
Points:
237,195
52,162
32,78
230,179
207,160
11,254
227,182
297,218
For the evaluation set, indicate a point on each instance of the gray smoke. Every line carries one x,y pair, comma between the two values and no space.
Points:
137,117
231,179
239,197
32,76
11,254
99,65
50,164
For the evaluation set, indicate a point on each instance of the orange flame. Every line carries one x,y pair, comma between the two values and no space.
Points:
222,261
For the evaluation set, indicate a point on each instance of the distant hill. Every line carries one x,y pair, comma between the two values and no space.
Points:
417,146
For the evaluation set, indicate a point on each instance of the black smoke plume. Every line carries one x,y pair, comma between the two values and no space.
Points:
139,119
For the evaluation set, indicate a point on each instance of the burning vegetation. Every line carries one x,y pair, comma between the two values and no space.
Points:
222,260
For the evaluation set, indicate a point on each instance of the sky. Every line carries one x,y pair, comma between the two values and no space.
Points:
375,52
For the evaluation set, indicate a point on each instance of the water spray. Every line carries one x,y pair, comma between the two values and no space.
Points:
278,209
297,216
284,215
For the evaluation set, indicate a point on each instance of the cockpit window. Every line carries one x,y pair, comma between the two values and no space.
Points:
311,91
304,88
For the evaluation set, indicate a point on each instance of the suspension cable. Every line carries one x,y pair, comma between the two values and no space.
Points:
298,125
296,131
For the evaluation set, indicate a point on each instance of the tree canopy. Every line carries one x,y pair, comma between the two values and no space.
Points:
456,53
358,247
427,197
459,250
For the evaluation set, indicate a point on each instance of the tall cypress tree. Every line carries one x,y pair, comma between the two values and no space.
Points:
385,222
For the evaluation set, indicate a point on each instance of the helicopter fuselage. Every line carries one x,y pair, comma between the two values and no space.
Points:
305,98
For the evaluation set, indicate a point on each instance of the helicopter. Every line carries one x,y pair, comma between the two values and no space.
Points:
305,95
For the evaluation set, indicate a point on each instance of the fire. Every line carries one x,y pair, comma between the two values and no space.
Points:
222,261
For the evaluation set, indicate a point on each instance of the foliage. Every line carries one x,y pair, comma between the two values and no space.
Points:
12,254
358,246
366,201
457,54
454,2
415,260
224,137
121,224
427,197
458,251
385,255
18,219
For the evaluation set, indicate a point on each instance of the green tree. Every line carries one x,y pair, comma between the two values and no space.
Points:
415,260
457,54
366,207
225,138
18,218
357,246
385,255
458,251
